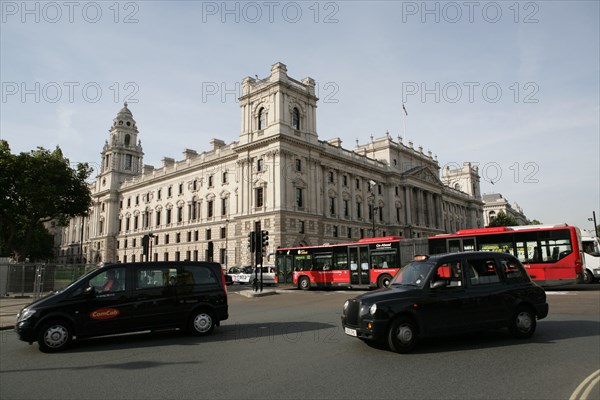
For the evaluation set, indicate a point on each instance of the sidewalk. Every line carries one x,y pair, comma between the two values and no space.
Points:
9,307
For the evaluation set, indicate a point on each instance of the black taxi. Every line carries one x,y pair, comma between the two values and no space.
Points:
128,297
448,293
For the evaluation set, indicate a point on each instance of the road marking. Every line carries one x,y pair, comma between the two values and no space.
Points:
587,384
560,293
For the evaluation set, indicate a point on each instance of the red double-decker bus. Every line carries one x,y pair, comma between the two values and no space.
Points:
368,262
552,254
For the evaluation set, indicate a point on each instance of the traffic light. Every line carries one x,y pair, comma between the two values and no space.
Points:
264,239
145,244
252,242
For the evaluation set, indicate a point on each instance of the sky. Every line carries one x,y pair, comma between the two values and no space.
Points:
512,87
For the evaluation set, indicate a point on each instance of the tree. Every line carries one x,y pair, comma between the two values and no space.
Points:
37,187
503,220
534,222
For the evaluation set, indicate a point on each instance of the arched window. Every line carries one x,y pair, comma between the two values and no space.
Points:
296,119
457,186
261,118
127,140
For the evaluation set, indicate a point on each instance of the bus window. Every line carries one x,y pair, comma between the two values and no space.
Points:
384,259
499,243
322,261
302,262
340,258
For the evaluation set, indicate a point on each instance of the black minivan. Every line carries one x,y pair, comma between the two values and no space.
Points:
128,297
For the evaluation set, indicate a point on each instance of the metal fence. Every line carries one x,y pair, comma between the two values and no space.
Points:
36,280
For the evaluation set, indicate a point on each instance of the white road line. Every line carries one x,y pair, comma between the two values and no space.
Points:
587,384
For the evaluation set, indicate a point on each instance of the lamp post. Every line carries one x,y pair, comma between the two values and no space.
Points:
226,237
372,184
595,223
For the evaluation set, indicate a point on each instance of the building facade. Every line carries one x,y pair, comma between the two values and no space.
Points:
278,177
494,203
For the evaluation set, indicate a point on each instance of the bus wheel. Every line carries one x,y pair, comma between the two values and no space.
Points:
384,281
402,336
587,276
304,283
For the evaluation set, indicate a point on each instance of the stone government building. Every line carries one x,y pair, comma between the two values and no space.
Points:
278,177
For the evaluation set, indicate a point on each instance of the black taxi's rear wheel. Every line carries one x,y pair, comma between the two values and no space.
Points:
202,323
402,335
304,283
523,323
55,336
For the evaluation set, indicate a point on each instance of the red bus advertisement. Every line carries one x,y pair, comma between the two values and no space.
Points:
370,262
552,255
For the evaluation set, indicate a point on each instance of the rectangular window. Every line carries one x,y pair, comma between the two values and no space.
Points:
196,236
158,192
332,205
299,196
189,236
345,180
358,210
298,165
349,233
346,209
157,222
259,164
224,206
167,238
208,234
331,177
335,231
223,233
128,162
177,237
155,277
300,226
181,188
135,222
166,256
168,215
259,197
357,183
210,181
209,210
224,177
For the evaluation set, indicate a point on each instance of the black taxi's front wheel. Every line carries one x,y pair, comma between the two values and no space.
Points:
402,335
54,336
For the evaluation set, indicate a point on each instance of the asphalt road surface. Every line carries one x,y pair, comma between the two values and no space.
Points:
291,346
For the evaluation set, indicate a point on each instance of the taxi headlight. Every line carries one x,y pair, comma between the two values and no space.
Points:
346,304
373,309
24,315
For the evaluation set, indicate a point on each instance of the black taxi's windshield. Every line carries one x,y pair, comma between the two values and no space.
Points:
413,274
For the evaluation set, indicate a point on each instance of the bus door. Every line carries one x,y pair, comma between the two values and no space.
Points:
458,245
285,267
359,265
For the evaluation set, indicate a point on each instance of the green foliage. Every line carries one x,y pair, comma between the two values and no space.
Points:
503,220
37,187
534,222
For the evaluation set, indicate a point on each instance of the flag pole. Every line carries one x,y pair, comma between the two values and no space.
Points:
404,118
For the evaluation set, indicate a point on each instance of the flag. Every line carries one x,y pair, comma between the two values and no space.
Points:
404,108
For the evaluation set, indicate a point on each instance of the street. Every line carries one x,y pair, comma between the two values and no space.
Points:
290,345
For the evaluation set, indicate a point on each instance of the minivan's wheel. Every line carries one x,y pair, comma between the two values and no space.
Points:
54,336
402,335
304,283
384,281
587,276
523,323
202,323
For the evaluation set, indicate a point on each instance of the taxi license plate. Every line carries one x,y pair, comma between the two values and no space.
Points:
351,332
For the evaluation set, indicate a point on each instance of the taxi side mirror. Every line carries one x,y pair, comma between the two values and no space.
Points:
89,291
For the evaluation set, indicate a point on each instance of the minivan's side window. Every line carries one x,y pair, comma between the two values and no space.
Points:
154,277
483,272
196,276
109,281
